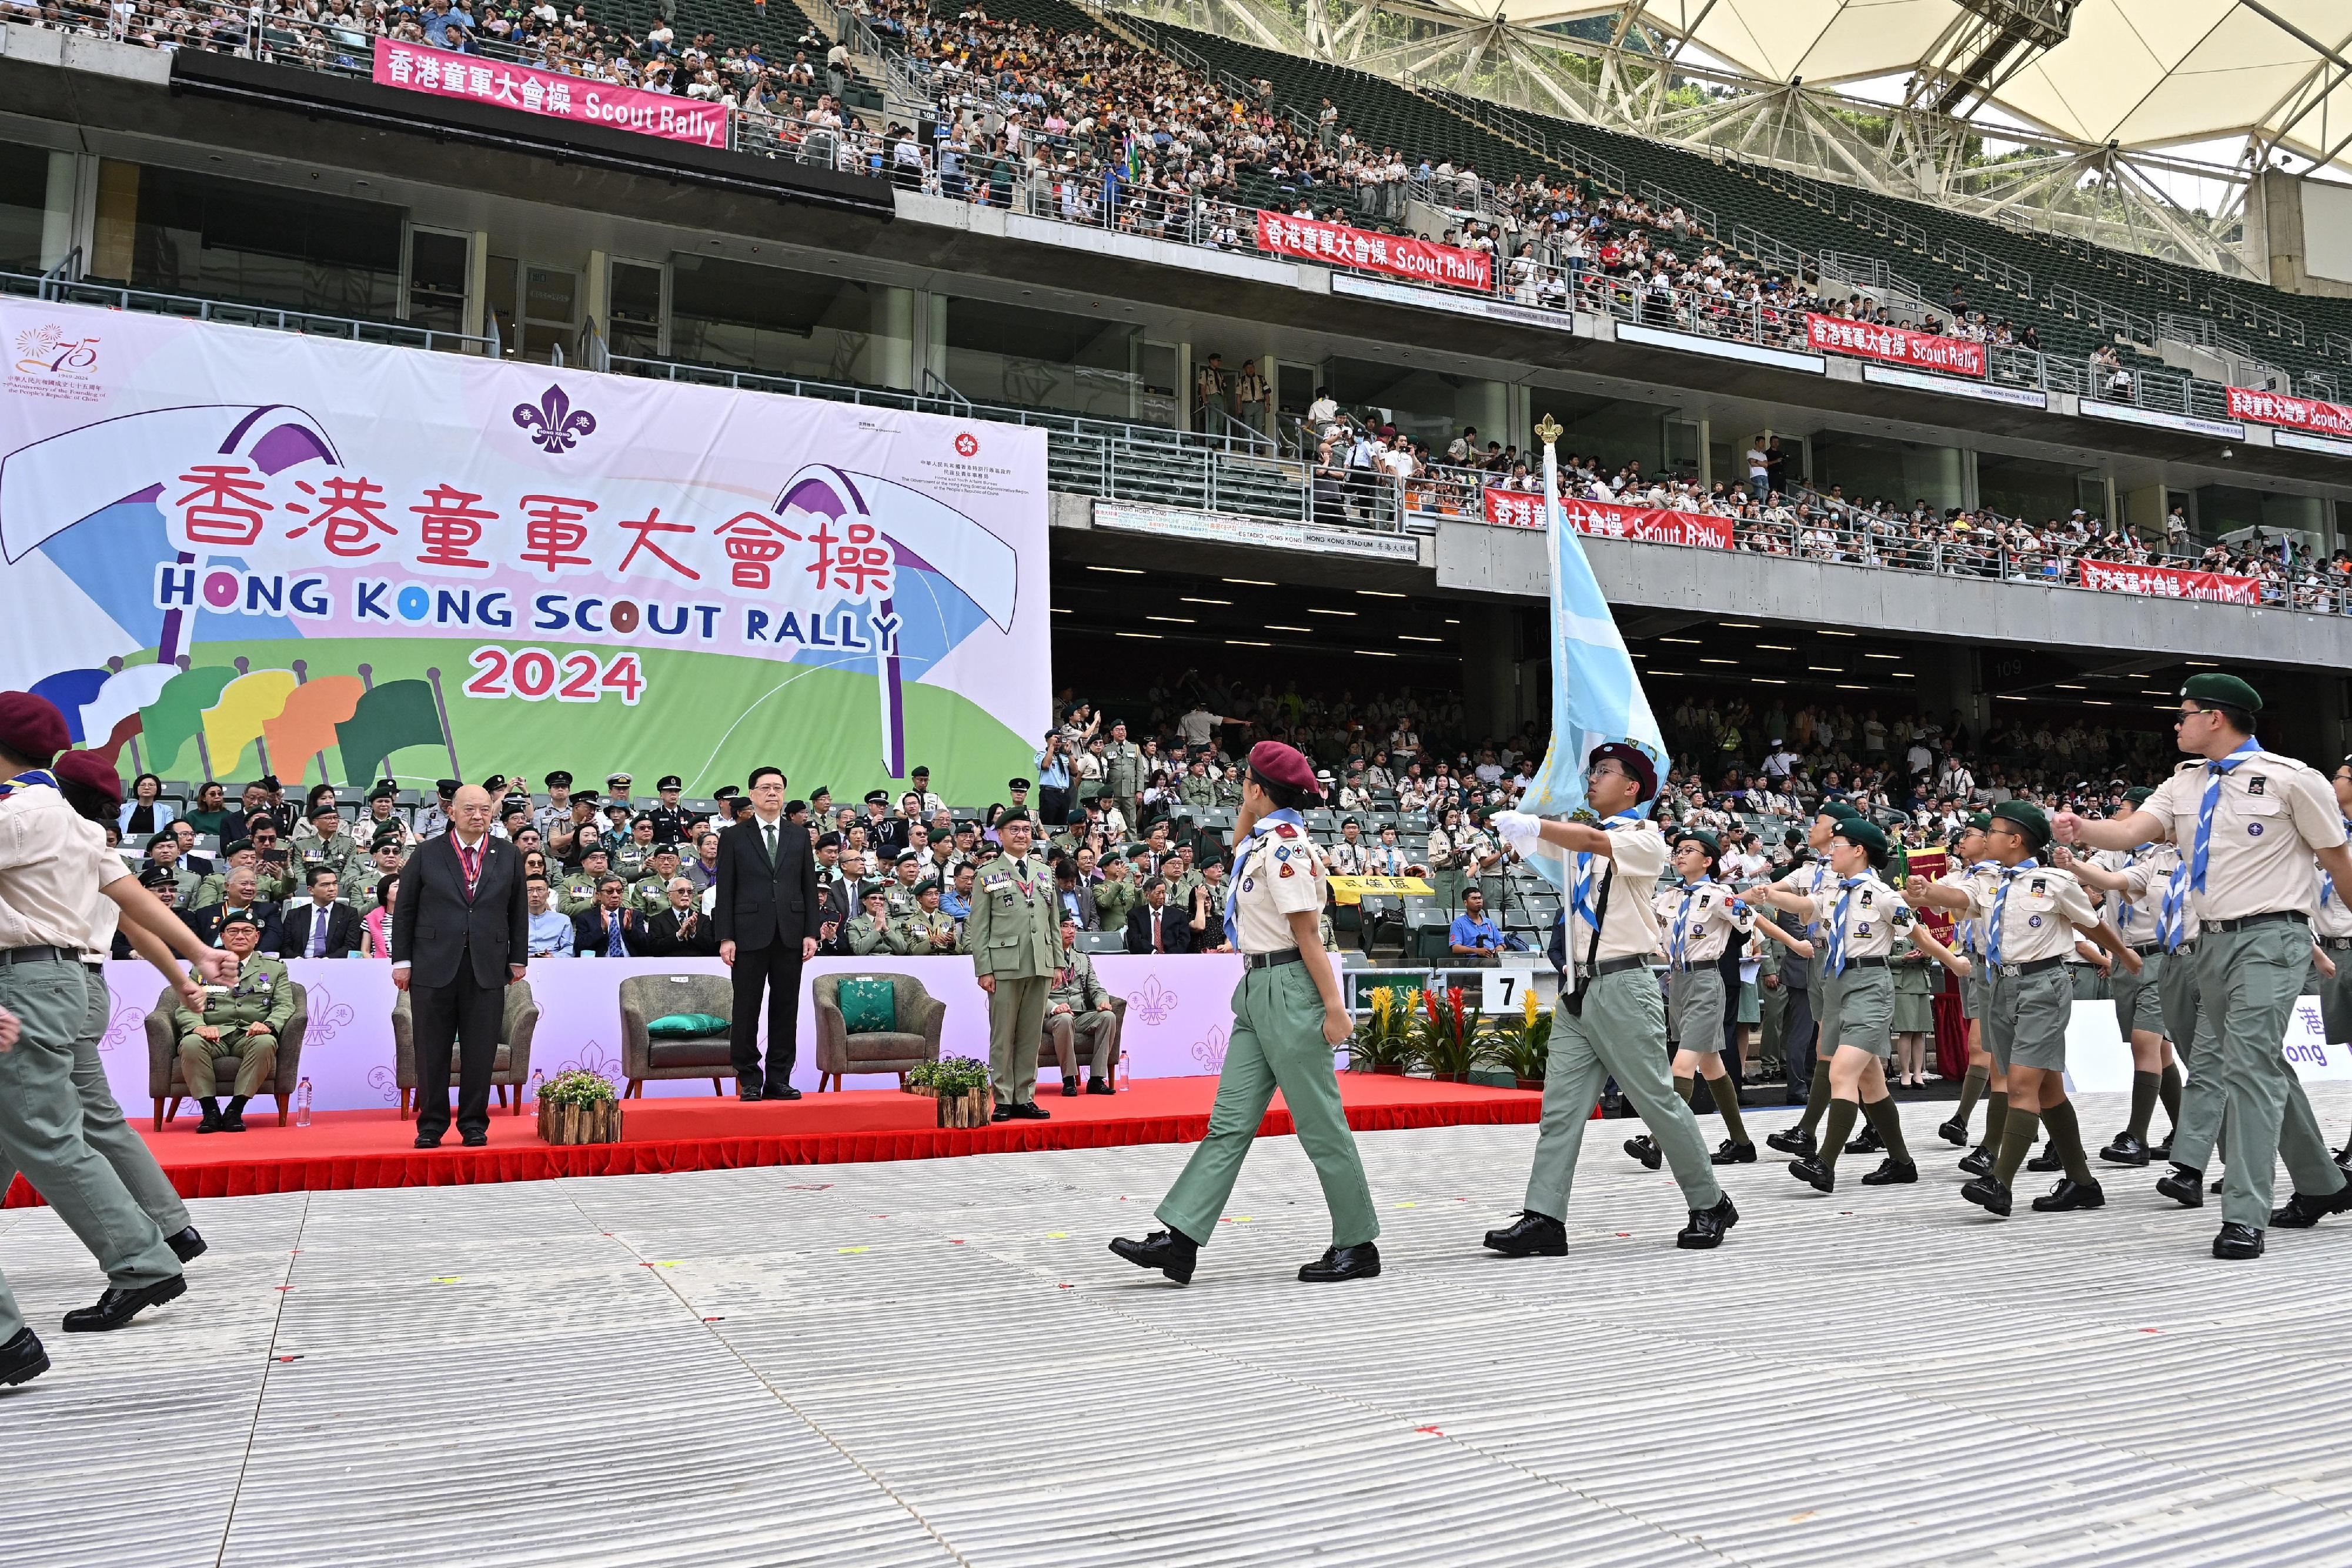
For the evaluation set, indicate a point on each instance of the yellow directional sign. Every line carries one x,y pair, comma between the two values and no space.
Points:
1352,889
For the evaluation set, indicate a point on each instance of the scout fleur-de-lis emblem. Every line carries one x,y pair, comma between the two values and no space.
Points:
1211,1052
1151,1001
1549,431
553,423
328,1016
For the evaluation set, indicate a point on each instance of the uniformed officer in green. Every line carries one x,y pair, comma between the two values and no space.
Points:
1288,1018
382,861
869,931
1015,933
330,846
1115,893
929,930
579,890
1611,1021
634,857
1078,1018
650,892
898,893
1123,775
1196,788
164,851
2249,822
239,855
242,1021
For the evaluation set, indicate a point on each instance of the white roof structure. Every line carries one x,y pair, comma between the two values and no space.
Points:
2146,73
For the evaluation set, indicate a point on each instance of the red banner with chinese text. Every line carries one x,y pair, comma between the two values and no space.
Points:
2295,412
1523,509
2169,582
1895,345
529,91
1343,246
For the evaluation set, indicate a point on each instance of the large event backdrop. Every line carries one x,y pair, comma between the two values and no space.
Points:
1178,1014
225,549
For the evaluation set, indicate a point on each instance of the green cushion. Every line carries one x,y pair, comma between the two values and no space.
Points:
687,1026
869,1005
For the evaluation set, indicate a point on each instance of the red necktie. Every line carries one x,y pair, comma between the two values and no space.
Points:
1156,931
471,860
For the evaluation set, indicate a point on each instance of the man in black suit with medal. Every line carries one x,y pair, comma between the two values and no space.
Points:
460,935
764,917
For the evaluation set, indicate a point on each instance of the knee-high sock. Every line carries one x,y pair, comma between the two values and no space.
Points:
1996,1119
2016,1142
2144,1086
1683,1093
1726,1100
1972,1088
1839,1128
2168,1089
1818,1100
1883,1116
2066,1137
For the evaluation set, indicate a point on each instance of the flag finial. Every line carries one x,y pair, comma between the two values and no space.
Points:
1549,431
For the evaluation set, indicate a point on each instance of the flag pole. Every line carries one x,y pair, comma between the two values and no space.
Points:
449,735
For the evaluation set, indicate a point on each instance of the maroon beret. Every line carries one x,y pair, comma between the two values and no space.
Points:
1278,763
31,727
1635,761
92,772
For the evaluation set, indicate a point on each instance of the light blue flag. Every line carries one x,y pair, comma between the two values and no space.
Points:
1596,696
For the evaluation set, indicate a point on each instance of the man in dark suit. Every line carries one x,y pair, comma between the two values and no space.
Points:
322,925
238,894
460,935
682,931
764,919
608,928
1174,927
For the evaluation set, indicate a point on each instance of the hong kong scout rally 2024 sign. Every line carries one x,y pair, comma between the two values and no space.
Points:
225,550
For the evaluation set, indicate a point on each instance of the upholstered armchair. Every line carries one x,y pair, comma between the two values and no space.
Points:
167,1084
921,1019
509,1072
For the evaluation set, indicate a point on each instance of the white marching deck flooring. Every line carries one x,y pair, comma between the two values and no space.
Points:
936,1361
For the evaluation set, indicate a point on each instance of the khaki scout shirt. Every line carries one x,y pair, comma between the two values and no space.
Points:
2272,813
1277,873
2149,880
50,857
2039,917
1875,915
1705,914
1630,926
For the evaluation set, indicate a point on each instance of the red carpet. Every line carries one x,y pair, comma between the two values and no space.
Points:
347,1149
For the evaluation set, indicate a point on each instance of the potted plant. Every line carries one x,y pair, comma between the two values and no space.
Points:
1447,1030
960,1085
1522,1045
1383,1042
923,1078
579,1107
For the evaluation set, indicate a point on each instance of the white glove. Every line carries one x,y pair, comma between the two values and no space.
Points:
1520,829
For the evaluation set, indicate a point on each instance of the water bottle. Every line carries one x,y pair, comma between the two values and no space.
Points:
302,1103
538,1081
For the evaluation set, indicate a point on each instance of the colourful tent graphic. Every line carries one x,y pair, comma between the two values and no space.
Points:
68,691
305,727
125,692
391,715
176,715
246,704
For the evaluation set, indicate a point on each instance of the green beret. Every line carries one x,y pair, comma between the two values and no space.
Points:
2027,816
1981,820
235,846
1836,811
1700,837
1864,835
2138,797
1017,814
2213,687
387,791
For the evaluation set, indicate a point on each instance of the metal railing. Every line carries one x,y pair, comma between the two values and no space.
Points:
56,286
2099,314
2261,317
2015,280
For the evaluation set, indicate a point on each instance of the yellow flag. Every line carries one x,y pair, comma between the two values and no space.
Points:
245,704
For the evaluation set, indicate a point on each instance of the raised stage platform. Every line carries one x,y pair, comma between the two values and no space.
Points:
346,1149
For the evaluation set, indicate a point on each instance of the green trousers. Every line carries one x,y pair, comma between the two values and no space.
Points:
1016,1022
103,1127
41,1131
1772,1027
1276,1042
2249,979
2190,1027
1621,1034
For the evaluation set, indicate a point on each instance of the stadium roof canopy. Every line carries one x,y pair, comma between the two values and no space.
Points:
2144,74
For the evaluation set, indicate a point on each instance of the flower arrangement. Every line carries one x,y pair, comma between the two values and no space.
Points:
1522,1043
1384,1041
577,1087
955,1075
1447,1042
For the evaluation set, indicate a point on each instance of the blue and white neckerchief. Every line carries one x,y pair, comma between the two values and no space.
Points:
2127,912
2172,915
2009,873
2216,768
1834,960
26,780
1681,941
1971,929
1240,866
1581,896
